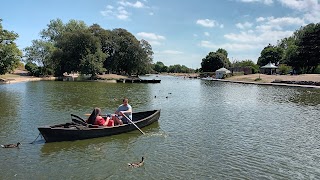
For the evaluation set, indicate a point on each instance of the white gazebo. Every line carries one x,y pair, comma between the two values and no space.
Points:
269,67
221,72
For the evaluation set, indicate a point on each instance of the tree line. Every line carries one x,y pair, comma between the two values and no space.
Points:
299,52
76,47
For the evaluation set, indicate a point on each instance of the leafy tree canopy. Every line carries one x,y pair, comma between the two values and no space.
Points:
271,54
215,60
10,55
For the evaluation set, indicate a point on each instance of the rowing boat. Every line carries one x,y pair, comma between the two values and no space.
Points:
78,129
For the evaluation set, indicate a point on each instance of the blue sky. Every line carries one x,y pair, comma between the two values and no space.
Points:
180,31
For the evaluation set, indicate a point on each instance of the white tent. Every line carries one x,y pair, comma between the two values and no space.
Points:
220,72
269,66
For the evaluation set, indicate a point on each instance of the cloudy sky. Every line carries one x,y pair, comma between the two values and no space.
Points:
180,31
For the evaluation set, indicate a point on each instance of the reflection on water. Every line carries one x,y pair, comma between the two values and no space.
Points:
207,130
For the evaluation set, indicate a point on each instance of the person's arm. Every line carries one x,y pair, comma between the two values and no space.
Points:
106,121
127,111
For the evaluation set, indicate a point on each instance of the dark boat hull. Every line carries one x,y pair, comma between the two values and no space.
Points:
57,133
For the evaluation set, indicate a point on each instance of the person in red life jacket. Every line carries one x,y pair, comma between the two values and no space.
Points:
96,119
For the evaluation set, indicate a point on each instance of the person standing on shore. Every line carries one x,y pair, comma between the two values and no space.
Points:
123,109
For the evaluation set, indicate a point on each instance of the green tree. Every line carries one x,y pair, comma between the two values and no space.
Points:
271,54
128,55
40,52
309,47
160,67
76,50
247,63
214,61
32,68
10,55
54,29
222,51
146,57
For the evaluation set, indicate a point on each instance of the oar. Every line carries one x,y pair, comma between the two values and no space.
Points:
133,124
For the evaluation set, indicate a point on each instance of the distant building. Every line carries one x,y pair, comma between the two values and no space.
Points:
269,68
220,73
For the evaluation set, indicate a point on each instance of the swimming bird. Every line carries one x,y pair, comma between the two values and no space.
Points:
11,145
137,164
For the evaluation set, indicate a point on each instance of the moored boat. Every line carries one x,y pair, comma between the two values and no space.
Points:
78,129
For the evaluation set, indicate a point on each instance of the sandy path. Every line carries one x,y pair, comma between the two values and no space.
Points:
269,78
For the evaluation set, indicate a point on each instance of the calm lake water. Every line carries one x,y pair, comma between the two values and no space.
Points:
207,130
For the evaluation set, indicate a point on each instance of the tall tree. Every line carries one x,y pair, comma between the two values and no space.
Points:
213,61
309,47
75,49
40,53
160,67
222,51
271,54
146,57
10,55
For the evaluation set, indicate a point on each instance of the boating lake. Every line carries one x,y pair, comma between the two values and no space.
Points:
207,130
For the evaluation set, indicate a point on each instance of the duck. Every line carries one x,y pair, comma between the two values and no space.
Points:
137,164
11,145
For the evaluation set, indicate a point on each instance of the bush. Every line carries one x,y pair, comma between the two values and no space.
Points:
32,68
284,69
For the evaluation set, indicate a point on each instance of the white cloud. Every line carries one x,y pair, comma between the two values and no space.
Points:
152,38
137,4
279,23
267,2
206,22
206,33
244,25
119,13
260,19
310,8
228,46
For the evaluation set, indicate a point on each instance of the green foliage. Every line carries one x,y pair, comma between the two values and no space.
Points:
74,47
222,51
302,49
160,67
271,54
213,61
32,68
247,63
10,55
284,69
309,47
177,68
40,52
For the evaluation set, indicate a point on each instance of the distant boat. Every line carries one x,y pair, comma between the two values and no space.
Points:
139,80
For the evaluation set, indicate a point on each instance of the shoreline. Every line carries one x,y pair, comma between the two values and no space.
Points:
267,83
273,80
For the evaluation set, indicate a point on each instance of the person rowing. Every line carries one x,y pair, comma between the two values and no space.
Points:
123,111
